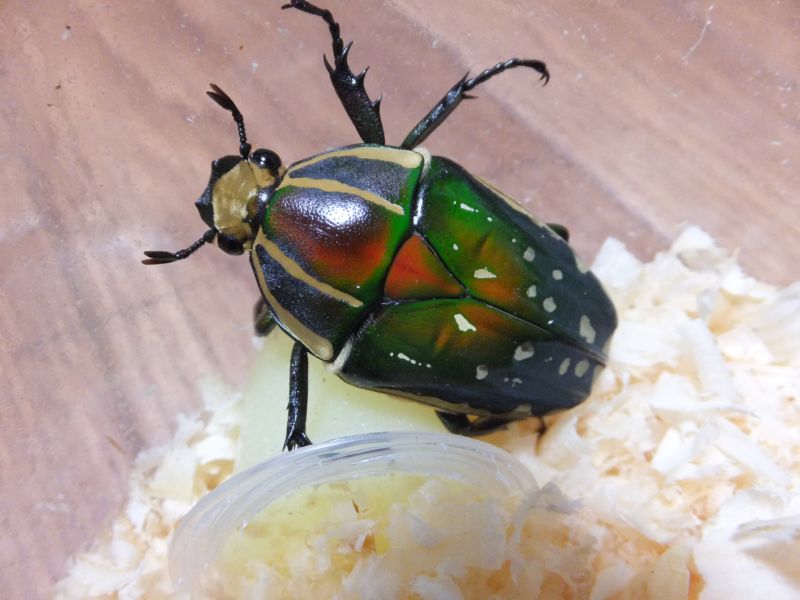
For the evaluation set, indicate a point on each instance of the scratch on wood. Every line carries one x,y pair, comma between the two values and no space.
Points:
706,25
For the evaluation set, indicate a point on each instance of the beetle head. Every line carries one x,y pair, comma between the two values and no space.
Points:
238,189
237,192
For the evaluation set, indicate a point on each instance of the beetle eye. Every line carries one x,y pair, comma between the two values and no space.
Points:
230,244
266,159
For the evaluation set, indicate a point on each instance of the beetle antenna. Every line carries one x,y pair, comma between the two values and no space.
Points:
221,98
160,257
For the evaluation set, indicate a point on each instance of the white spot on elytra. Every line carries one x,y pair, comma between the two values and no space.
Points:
484,273
490,219
549,304
523,351
455,246
408,359
581,368
468,208
529,254
516,381
564,367
558,275
531,292
463,324
481,371
585,330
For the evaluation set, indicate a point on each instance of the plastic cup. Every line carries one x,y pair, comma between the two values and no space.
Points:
200,538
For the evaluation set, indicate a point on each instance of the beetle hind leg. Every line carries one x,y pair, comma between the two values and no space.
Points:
298,399
363,112
461,424
562,231
458,92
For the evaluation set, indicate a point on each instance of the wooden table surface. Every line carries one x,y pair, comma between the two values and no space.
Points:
657,114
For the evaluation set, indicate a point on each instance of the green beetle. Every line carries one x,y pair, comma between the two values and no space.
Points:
406,273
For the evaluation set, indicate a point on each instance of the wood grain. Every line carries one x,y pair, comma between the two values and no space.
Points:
658,114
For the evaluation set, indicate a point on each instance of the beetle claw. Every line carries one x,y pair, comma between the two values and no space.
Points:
296,440
327,64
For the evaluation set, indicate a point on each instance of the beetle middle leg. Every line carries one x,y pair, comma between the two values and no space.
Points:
363,112
458,92
263,322
298,399
462,425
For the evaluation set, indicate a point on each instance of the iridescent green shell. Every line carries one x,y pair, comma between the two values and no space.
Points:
412,276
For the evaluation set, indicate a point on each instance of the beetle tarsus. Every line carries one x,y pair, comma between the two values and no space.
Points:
363,112
298,399
458,92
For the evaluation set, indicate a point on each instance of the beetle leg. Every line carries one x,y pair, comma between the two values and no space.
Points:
263,322
459,91
298,399
363,112
462,425
562,231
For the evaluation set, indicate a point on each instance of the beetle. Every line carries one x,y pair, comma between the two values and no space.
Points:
403,271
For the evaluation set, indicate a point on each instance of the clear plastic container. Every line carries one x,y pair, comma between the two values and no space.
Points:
202,534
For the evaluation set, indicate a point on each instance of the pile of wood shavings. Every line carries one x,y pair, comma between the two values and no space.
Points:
130,559
686,459
687,455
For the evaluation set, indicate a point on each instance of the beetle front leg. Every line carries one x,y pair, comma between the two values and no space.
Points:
298,399
363,112
458,92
